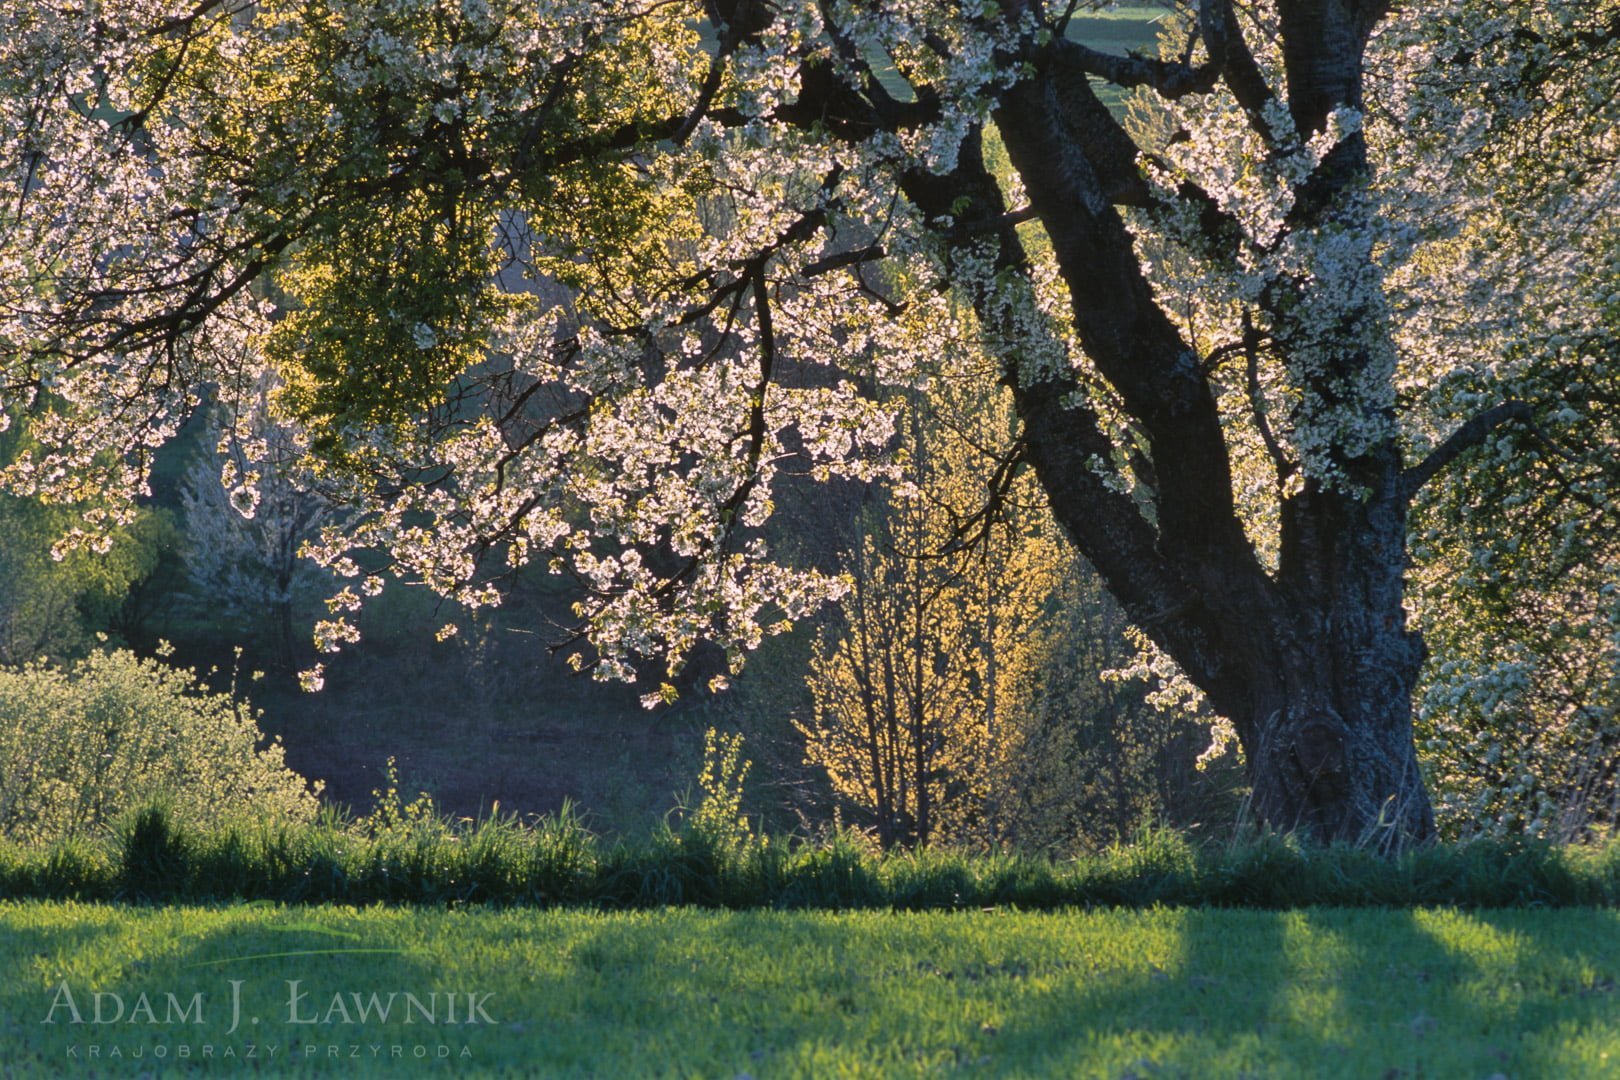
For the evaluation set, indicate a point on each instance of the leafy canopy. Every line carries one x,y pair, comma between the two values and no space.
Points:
575,282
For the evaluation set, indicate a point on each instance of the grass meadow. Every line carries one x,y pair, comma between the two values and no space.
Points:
683,992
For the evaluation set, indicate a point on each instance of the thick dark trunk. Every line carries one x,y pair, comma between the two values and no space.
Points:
1328,735
1312,662
1315,771
1319,681
1331,747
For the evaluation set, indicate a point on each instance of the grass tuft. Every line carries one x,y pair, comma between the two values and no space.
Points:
557,862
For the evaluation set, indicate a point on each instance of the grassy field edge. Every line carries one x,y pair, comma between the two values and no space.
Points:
557,862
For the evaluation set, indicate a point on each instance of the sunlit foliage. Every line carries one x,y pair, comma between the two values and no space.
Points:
572,283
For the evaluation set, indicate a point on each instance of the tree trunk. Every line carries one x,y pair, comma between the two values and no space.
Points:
1336,778
1328,742
1312,660
286,631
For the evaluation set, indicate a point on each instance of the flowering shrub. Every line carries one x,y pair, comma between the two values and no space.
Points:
84,745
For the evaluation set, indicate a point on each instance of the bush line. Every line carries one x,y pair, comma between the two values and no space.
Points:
558,862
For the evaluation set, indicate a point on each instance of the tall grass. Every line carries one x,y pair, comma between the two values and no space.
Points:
557,861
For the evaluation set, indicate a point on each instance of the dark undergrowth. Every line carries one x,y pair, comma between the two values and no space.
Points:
557,861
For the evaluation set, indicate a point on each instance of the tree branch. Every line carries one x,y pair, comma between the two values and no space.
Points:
1371,11
1223,38
1170,78
1461,441
1257,402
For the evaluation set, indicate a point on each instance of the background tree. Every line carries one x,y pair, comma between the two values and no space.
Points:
1092,758
249,509
1515,547
911,714
83,745
961,696
52,602
1232,438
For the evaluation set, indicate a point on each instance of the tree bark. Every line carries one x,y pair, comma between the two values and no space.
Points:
1329,746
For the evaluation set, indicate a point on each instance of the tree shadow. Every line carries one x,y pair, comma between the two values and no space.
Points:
1158,993
1537,990
1310,993
1364,992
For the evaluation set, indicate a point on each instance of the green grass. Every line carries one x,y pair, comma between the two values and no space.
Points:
1128,26
681,992
557,862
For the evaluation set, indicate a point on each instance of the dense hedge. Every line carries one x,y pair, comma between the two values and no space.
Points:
558,862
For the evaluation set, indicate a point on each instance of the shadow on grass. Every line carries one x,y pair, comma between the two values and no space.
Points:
1195,993
1156,993
1362,993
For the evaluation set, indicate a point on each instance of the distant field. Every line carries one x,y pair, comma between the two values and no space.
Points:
1127,27
1316,993
1119,30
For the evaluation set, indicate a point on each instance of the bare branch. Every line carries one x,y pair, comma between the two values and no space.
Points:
184,21
827,264
1372,11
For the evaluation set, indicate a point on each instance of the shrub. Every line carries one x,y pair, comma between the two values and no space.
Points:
84,746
